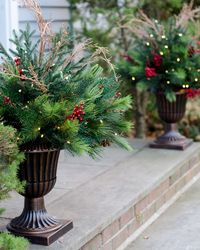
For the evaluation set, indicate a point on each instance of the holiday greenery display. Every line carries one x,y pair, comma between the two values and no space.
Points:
57,96
10,158
166,55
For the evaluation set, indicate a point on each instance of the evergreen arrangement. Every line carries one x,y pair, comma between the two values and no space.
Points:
10,158
166,56
57,96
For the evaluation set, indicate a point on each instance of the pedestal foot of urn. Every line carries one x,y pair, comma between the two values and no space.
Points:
43,238
171,139
37,225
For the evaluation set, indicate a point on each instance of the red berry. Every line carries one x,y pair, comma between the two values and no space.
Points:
6,100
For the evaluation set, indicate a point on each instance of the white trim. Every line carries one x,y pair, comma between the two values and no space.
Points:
8,20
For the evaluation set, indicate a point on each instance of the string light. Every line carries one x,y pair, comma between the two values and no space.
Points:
187,86
166,47
133,78
68,142
173,70
168,82
19,90
180,34
178,59
116,134
58,127
161,53
147,43
101,121
42,136
166,71
196,79
183,86
151,35
39,129
163,37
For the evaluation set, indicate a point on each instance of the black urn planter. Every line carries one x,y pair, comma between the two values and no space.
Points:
171,113
39,171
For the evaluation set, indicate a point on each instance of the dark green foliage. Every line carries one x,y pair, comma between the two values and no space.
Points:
42,97
10,158
175,48
9,161
10,242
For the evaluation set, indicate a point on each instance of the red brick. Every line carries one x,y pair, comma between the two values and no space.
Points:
173,178
120,238
185,168
132,227
160,202
188,177
180,184
148,212
107,246
194,160
126,217
170,193
110,231
141,205
94,244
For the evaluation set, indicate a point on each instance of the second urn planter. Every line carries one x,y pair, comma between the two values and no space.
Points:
171,113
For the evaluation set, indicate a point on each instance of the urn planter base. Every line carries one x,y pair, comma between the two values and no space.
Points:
37,225
44,238
171,139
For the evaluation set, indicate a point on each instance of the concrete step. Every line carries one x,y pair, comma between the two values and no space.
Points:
177,229
112,199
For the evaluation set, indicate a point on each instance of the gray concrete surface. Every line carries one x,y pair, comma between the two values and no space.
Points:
94,193
177,229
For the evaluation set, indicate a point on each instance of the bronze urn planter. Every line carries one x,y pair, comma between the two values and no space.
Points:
39,172
171,113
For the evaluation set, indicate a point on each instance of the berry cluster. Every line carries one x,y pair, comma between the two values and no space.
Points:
153,64
78,113
6,100
118,94
192,93
17,61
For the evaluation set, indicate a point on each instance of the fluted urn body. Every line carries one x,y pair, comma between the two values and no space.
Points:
171,113
39,171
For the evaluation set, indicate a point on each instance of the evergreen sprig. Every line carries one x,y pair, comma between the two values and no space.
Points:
60,99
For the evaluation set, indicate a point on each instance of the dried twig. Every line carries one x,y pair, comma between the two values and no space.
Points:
77,52
101,53
44,27
187,14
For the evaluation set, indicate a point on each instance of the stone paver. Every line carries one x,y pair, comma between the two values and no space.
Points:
177,229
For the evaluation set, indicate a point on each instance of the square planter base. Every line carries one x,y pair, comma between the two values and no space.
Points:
45,238
177,145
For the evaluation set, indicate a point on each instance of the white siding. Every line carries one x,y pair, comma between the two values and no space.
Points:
8,20
55,11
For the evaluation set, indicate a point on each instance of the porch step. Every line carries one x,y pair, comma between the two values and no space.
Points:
177,229
112,199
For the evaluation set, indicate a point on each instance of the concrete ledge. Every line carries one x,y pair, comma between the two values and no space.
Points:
117,195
